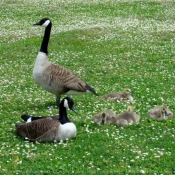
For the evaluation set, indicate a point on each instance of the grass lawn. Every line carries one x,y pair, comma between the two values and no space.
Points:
110,44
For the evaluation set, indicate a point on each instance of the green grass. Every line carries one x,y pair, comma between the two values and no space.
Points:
109,44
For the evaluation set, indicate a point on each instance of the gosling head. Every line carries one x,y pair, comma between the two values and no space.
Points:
127,91
130,109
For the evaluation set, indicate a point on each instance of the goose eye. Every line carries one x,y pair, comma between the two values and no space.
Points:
70,103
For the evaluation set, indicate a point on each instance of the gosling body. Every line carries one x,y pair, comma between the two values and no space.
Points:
127,118
125,95
104,117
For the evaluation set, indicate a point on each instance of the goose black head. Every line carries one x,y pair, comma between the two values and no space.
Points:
43,22
69,103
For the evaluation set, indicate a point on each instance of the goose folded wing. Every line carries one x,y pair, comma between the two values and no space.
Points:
68,79
35,128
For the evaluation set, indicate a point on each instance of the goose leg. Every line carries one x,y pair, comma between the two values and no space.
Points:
57,101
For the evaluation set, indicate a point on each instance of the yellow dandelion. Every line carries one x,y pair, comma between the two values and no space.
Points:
17,159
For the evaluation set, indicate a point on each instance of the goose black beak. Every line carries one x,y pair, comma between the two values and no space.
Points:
37,24
166,113
102,122
73,109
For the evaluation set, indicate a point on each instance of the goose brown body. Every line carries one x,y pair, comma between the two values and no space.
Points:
43,130
57,79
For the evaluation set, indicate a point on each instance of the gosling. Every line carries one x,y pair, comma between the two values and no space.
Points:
104,117
127,118
119,96
161,112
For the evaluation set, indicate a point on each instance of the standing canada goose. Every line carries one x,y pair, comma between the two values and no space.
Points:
127,118
50,128
160,112
55,78
119,96
104,117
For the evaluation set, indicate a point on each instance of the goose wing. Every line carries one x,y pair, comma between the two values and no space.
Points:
153,112
35,129
67,79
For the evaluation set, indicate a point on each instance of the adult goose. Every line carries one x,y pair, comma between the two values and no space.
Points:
55,78
48,129
160,112
127,118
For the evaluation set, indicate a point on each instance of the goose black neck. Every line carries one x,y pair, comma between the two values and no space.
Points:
45,42
63,115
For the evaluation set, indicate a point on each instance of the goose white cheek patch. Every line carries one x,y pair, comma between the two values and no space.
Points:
46,23
66,103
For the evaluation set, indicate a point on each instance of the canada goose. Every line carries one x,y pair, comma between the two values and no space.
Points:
49,128
119,96
160,112
55,78
127,118
104,117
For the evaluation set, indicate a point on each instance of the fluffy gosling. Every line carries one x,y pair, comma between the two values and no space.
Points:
127,118
104,117
161,112
125,95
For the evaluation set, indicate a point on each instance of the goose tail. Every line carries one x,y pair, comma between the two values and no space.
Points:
27,118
